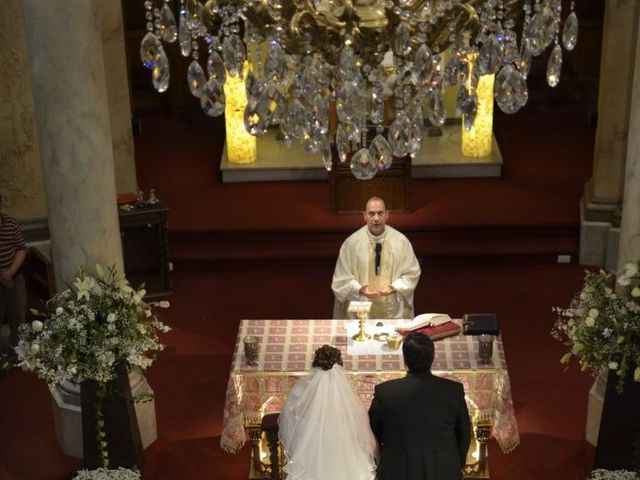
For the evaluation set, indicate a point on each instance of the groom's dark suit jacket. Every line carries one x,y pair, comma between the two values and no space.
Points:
422,424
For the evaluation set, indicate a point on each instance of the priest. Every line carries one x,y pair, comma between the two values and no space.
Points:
376,263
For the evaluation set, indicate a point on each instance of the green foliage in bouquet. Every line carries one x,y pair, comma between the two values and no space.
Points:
90,327
601,326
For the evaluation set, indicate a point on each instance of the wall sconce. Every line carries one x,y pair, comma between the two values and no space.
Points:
477,141
241,146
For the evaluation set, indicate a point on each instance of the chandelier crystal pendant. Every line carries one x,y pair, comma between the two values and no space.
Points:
373,59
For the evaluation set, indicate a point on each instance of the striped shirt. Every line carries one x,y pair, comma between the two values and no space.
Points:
11,240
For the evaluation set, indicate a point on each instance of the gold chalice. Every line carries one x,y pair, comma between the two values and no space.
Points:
361,336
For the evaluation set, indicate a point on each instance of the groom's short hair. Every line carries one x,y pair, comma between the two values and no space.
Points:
418,351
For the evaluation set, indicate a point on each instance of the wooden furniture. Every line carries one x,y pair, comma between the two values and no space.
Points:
347,194
38,271
143,230
145,247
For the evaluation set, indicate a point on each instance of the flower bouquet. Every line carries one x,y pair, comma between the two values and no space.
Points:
93,333
601,326
90,327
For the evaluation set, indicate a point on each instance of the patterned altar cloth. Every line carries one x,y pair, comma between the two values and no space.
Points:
286,352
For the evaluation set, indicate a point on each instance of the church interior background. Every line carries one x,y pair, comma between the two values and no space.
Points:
509,232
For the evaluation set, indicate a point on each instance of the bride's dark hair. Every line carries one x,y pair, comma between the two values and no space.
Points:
326,356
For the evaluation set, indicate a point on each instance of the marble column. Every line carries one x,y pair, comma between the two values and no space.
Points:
72,115
602,199
21,184
628,247
69,92
118,94
630,228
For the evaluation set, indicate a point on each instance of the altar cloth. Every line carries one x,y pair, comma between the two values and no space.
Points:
286,351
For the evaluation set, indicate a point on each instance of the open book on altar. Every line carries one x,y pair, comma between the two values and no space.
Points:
433,325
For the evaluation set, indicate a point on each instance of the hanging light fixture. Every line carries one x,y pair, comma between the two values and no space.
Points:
373,59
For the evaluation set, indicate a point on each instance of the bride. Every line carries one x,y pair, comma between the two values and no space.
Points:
324,427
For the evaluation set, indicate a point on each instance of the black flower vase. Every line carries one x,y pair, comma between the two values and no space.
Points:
619,437
108,415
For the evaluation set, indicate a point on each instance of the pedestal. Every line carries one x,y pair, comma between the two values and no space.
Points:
67,415
145,411
619,436
110,433
67,418
599,230
594,408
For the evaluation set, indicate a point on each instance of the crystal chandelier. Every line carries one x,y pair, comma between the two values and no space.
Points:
380,62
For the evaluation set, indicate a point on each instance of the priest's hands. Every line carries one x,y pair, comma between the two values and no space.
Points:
369,293
387,291
366,292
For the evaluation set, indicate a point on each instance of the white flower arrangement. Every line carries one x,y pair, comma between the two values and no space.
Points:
601,327
87,329
601,474
106,474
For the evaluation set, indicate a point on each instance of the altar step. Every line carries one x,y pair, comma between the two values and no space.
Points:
203,250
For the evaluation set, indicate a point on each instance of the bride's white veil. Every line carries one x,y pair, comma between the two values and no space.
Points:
324,429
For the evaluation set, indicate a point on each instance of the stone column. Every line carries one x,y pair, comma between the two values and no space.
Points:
630,229
601,202
118,94
628,247
72,115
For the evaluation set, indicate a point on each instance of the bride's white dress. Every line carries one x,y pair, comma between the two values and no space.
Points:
324,429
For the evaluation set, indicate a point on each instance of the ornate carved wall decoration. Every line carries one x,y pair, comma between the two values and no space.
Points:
21,183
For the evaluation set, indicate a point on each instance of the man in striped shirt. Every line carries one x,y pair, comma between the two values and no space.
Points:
13,292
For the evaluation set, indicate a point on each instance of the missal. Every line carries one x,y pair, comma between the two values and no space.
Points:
433,325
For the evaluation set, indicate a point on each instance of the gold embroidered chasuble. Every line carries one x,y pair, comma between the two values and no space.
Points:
356,267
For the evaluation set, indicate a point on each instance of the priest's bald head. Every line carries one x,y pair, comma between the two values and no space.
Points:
376,215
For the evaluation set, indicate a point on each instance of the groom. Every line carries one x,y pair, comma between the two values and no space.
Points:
421,421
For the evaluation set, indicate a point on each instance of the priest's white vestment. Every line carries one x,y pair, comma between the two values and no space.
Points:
356,267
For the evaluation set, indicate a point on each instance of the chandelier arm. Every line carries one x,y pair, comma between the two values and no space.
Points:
306,31
464,17
372,15
414,5
325,18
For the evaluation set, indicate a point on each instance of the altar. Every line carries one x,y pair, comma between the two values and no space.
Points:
286,351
